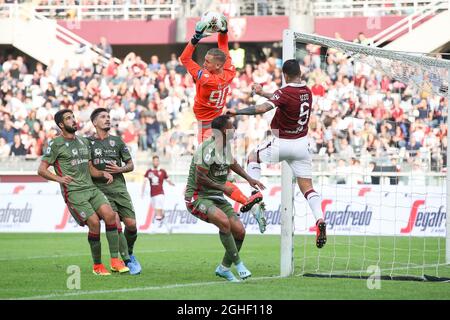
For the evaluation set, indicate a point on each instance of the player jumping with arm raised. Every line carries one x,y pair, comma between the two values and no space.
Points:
289,142
212,87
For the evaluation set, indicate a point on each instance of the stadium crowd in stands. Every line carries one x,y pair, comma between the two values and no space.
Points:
359,115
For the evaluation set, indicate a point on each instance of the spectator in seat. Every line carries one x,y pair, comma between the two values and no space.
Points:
362,39
154,64
106,47
17,149
153,130
263,7
374,168
395,167
317,89
173,63
8,132
238,56
413,146
73,83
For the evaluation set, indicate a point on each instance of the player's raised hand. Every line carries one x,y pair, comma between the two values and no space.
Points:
109,178
200,28
256,88
256,184
113,168
65,180
224,23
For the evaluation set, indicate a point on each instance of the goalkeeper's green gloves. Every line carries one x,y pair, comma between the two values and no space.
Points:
200,28
224,23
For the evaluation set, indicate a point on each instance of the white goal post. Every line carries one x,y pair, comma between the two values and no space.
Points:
403,67
287,187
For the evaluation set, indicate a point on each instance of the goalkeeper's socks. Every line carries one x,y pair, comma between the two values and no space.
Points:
113,239
123,246
131,236
96,247
315,203
237,194
254,170
230,246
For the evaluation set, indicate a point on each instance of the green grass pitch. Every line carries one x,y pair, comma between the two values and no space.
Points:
180,266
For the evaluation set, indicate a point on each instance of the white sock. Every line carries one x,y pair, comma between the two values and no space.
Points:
254,170
315,203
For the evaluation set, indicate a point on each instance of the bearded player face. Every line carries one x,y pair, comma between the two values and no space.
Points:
69,123
103,121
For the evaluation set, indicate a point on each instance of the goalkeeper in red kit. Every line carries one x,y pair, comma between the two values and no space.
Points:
212,83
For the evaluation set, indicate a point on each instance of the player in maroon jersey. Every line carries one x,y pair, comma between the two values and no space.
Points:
156,177
289,141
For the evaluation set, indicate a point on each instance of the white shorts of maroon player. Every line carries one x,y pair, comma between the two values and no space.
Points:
158,202
296,152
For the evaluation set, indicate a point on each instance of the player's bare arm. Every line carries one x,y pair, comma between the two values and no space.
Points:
100,174
203,179
114,168
47,174
240,171
170,182
251,110
257,89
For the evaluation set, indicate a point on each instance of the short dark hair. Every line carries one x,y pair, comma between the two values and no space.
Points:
59,116
217,54
96,112
291,68
220,122
155,157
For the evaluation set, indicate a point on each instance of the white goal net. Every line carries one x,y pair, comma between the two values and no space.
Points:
379,134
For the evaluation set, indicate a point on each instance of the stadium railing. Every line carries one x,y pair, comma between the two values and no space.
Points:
177,8
367,8
408,23
102,12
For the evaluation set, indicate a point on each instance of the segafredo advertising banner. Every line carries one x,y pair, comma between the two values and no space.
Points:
364,210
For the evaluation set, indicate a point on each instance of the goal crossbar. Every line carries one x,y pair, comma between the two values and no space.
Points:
419,58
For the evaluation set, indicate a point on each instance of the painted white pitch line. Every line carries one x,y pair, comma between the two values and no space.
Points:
88,254
75,255
171,286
